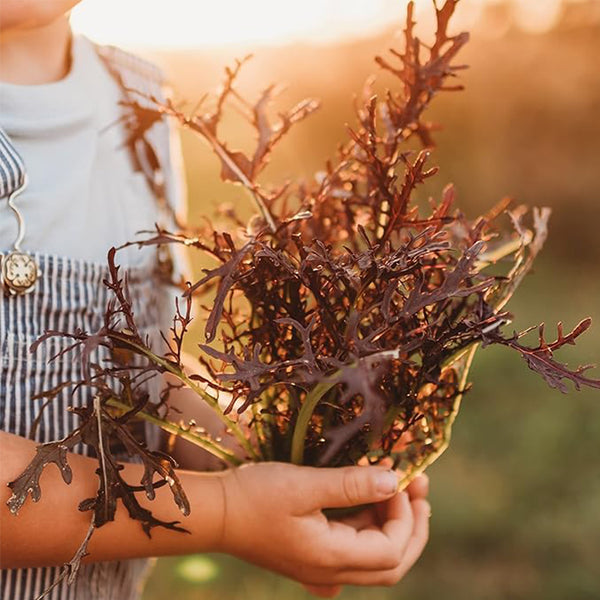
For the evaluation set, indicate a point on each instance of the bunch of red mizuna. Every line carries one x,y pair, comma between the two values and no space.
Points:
344,320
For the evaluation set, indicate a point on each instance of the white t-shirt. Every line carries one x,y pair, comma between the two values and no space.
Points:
83,194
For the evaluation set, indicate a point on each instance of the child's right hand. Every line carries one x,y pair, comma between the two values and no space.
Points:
273,519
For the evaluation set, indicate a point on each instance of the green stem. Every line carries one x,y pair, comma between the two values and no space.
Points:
212,447
261,436
304,416
191,384
454,358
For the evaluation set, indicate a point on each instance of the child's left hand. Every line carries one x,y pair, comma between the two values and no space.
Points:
374,516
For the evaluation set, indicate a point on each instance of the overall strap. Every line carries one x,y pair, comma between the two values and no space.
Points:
149,140
142,83
12,167
139,81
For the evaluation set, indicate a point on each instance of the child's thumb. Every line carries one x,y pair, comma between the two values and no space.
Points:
352,486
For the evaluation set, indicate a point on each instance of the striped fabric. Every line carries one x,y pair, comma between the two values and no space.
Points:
70,295
97,581
12,168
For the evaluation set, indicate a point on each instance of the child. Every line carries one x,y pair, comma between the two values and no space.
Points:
71,188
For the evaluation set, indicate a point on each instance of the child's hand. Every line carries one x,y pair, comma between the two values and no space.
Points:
273,519
375,516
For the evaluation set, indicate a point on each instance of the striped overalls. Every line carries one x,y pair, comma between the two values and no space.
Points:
67,295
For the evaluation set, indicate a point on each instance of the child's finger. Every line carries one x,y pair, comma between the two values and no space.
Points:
375,549
363,519
400,522
418,540
418,487
348,486
365,550
413,550
398,510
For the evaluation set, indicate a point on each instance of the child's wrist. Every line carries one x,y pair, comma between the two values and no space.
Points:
206,522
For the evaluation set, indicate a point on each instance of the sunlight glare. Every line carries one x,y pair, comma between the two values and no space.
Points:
189,23
537,16
196,23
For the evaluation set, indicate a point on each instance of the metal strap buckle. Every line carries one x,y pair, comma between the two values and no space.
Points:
18,270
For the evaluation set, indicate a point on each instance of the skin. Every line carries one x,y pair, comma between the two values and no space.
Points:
269,514
32,14
417,492
35,40
191,456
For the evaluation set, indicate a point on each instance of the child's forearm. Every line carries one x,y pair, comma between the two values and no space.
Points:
49,532
185,406
269,514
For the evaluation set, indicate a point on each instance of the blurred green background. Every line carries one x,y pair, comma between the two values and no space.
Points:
516,499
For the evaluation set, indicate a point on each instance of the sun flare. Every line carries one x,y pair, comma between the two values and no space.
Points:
193,23
182,23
